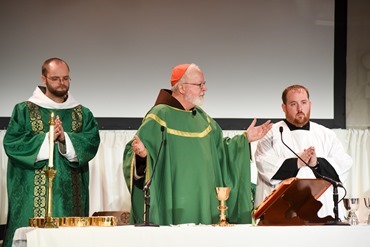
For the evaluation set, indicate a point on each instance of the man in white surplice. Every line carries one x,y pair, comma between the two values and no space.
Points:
317,145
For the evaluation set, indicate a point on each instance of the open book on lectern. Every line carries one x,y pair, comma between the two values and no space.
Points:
293,202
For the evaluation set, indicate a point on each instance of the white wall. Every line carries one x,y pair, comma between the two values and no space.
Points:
121,50
358,64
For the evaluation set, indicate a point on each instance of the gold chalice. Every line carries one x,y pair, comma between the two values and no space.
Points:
222,196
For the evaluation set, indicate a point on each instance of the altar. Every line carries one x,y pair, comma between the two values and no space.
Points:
194,235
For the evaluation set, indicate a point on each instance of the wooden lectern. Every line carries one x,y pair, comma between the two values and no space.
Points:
293,202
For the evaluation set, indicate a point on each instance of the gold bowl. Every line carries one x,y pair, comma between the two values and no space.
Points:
103,220
76,221
40,222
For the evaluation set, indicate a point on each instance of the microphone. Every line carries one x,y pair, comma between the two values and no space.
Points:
149,182
194,111
332,181
146,189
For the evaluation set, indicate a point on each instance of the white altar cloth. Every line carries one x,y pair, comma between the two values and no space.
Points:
185,236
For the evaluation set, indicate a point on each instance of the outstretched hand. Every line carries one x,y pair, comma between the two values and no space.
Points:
255,133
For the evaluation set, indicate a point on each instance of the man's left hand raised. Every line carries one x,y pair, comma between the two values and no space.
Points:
255,133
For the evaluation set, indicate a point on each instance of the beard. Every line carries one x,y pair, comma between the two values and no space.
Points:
59,91
195,100
301,119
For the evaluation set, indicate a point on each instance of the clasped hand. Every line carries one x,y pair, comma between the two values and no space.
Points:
309,156
59,131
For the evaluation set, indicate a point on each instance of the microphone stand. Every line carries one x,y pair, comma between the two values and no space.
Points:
146,189
336,221
335,184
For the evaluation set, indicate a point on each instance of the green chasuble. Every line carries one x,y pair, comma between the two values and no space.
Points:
195,159
26,181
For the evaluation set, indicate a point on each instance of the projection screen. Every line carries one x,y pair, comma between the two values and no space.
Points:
121,54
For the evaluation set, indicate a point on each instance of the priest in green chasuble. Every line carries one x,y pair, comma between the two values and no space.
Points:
26,142
182,150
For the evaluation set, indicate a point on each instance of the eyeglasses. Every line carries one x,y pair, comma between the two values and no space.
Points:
59,79
200,85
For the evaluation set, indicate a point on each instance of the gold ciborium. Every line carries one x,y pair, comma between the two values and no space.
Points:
222,196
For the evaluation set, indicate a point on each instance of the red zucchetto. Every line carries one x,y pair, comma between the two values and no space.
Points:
177,72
